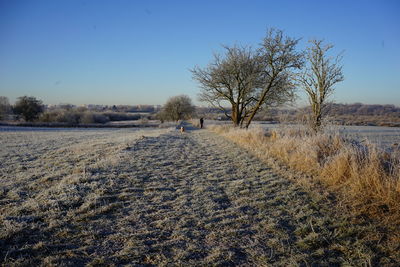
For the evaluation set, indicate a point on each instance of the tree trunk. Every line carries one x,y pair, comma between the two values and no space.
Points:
236,117
317,117
260,102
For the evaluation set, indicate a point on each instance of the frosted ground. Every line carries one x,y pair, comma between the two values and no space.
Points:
383,137
72,197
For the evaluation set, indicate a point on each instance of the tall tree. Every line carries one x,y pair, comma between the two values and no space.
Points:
231,79
248,79
281,61
321,74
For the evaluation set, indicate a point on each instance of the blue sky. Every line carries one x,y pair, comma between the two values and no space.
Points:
140,52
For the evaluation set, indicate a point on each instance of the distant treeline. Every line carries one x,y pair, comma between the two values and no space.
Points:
80,116
348,114
355,109
114,108
361,109
331,109
344,114
31,109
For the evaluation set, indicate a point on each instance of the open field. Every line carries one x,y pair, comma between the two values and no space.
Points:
383,137
72,197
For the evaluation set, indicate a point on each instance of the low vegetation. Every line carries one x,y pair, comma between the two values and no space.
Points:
366,179
73,117
31,111
83,116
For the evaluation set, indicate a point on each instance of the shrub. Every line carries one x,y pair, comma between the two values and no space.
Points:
120,116
69,117
90,117
48,116
73,117
28,107
177,108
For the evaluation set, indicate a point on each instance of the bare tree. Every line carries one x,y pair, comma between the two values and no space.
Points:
248,79
281,60
321,74
231,79
177,108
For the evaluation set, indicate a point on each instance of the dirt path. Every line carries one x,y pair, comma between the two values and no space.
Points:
206,201
189,199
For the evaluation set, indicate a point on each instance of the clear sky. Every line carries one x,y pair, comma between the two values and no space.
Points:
140,52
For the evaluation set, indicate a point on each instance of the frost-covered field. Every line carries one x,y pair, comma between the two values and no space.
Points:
383,137
49,177
73,197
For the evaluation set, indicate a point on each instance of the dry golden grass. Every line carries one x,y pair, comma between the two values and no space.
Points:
366,178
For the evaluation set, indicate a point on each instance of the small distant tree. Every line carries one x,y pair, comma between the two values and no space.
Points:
5,107
321,74
177,108
248,79
28,107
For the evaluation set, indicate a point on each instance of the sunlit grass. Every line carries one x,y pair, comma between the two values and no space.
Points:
366,178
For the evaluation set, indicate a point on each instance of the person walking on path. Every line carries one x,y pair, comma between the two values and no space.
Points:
201,123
